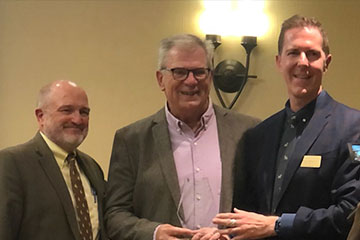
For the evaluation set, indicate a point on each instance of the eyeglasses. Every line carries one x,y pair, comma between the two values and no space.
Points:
180,74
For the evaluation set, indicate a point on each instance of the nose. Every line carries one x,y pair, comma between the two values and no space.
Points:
77,118
191,80
303,60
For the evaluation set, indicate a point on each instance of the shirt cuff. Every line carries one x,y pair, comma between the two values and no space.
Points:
155,231
286,224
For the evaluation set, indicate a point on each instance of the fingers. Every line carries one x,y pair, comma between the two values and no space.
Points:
237,233
177,231
208,234
202,236
215,236
224,237
197,236
167,231
231,220
226,222
227,219
239,211
250,226
226,215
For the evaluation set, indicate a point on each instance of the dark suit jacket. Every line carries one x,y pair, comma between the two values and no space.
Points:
35,202
355,229
143,186
321,197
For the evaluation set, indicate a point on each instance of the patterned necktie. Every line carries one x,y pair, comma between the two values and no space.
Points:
82,208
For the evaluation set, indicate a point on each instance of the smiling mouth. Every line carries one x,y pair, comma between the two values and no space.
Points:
74,128
304,75
189,93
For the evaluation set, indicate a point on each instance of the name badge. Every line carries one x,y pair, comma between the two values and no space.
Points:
311,161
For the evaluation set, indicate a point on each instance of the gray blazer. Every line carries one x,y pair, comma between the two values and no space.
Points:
355,229
143,189
35,202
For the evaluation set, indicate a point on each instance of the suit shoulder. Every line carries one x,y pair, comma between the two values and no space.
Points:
236,116
16,157
346,121
17,150
144,124
348,111
271,119
266,125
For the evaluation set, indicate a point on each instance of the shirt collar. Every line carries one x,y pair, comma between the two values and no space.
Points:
59,153
304,114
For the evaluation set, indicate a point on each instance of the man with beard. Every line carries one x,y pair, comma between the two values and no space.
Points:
48,188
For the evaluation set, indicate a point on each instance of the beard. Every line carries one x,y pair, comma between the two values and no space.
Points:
68,141
73,141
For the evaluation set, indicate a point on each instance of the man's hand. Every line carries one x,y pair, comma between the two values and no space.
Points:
169,232
246,225
208,234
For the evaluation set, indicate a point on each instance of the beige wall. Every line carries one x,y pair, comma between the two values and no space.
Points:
110,48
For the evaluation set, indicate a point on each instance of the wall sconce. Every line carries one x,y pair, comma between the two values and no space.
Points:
230,76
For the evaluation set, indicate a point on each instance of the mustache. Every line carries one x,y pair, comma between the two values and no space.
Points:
77,126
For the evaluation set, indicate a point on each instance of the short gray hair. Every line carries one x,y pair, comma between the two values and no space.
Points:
43,95
187,41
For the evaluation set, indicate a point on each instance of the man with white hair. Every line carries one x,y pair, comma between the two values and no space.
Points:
172,172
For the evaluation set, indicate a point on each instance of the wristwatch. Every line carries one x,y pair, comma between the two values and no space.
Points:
277,225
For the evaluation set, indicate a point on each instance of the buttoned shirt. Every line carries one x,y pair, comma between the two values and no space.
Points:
90,195
294,126
198,166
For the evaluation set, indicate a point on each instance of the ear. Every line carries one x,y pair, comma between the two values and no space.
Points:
278,62
327,62
160,80
211,75
39,113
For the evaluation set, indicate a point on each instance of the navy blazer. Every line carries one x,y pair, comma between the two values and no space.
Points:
321,197
35,202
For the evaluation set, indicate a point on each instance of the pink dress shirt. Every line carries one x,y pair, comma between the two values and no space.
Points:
198,165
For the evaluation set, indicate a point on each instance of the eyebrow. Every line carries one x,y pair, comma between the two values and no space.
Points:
72,106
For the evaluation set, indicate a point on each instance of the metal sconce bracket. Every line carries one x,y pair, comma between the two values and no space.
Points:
230,76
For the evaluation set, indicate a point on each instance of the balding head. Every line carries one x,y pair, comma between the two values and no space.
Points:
46,90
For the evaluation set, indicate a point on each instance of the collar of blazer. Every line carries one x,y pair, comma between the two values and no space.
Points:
51,169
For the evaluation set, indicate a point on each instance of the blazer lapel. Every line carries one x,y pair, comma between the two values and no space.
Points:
88,171
317,123
226,145
51,169
271,141
165,154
